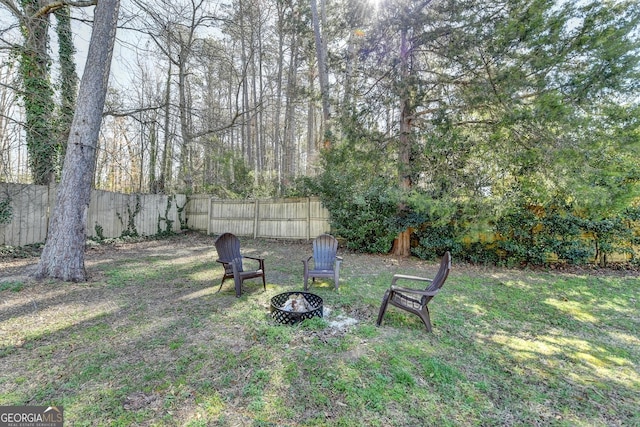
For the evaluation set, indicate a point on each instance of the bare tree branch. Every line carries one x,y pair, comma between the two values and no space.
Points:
52,7
13,8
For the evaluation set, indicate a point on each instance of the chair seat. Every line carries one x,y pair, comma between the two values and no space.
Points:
250,274
399,299
318,273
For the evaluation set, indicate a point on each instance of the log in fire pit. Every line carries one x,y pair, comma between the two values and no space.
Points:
293,307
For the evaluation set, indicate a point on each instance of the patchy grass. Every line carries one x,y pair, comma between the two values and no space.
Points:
150,341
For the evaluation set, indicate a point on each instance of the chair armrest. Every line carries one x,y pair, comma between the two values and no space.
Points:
260,260
420,292
397,277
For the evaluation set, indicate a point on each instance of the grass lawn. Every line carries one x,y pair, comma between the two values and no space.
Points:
148,341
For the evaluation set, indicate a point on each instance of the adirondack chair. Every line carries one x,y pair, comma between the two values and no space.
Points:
415,300
228,248
325,263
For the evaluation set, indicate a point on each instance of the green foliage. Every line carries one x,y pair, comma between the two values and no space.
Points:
11,286
37,95
68,80
530,158
533,235
99,232
364,216
6,210
234,179
433,240
363,206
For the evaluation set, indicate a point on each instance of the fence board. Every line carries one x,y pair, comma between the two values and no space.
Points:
233,216
284,218
197,211
29,205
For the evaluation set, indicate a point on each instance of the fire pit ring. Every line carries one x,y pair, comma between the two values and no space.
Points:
292,317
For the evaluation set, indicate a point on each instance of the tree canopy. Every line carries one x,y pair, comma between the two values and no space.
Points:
404,116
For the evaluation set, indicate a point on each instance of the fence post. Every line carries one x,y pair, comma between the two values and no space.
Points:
209,217
255,218
308,218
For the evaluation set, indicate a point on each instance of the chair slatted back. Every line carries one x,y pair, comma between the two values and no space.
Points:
325,249
441,276
228,248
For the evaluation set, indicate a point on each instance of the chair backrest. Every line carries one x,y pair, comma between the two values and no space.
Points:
443,273
228,248
325,249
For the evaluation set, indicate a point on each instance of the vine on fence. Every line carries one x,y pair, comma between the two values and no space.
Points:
168,222
180,209
99,233
6,211
131,230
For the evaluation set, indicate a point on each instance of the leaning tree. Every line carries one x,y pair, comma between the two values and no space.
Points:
63,254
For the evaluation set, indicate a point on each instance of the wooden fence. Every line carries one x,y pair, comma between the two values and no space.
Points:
114,214
109,215
303,218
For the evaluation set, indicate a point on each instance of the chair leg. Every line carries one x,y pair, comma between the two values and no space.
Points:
237,280
264,283
238,285
221,283
383,307
426,319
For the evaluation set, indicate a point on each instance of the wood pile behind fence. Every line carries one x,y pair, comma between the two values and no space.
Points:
116,214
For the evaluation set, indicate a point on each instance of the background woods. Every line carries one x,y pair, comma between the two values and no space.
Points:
429,123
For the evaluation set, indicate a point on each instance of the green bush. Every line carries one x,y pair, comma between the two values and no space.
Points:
364,217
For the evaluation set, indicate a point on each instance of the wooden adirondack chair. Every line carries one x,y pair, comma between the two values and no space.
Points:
415,300
326,263
228,248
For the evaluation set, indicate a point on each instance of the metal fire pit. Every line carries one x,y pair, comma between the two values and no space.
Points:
293,317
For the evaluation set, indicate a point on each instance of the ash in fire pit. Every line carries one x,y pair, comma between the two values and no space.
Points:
297,303
293,307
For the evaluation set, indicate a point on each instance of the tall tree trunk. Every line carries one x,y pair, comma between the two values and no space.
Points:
153,156
38,94
186,174
322,74
245,55
311,134
63,254
277,137
289,145
402,243
68,79
166,163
